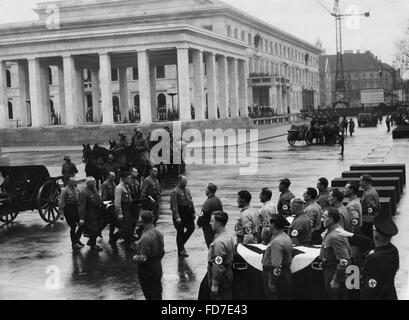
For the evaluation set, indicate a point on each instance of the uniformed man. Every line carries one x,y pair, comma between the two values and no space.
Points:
354,206
314,212
120,150
135,188
183,214
283,206
300,230
336,198
220,259
265,214
151,188
111,166
370,198
381,264
108,195
277,262
149,254
68,169
335,256
68,205
247,224
123,202
90,210
323,193
141,148
212,204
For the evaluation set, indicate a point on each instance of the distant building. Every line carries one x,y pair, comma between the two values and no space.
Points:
325,78
364,71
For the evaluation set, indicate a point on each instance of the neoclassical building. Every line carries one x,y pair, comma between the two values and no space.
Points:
100,61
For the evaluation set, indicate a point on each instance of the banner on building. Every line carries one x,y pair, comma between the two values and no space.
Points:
372,96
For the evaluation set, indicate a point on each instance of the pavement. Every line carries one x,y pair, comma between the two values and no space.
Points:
37,261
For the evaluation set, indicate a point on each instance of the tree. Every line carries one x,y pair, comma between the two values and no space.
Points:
401,59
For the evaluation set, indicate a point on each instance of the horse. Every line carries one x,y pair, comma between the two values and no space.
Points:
93,167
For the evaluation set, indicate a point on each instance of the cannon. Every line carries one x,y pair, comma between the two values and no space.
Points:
27,188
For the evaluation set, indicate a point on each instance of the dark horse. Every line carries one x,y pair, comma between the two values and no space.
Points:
94,160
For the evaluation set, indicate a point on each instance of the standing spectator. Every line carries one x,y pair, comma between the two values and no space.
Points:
335,200
149,254
351,127
314,212
283,206
212,204
370,198
247,224
183,213
265,214
300,230
322,186
354,206
388,123
341,138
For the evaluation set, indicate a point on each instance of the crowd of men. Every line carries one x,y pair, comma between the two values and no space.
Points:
258,111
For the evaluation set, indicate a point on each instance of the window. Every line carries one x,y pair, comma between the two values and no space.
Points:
243,35
236,33
271,46
276,47
229,31
10,107
266,45
208,27
250,37
136,102
281,50
114,74
160,72
135,73
8,76
50,76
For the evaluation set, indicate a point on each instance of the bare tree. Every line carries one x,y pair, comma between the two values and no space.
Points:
401,59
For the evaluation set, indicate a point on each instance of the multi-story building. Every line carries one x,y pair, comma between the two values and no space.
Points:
109,61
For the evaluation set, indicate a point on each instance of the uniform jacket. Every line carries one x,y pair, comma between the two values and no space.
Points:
69,195
122,197
370,201
346,219
300,230
247,225
283,205
108,191
322,200
151,187
335,250
90,209
279,252
180,197
151,245
212,204
314,212
354,209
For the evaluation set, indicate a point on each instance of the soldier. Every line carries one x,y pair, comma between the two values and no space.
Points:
123,202
151,188
380,264
108,194
247,224
220,259
212,204
277,277
68,169
336,198
354,206
300,230
111,166
149,254
370,198
68,204
90,209
141,148
135,189
314,212
388,123
183,214
341,138
265,214
351,127
283,206
120,150
322,186
335,256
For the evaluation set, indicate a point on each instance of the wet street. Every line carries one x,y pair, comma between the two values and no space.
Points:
30,250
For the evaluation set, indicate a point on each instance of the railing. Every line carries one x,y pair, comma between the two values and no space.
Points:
277,119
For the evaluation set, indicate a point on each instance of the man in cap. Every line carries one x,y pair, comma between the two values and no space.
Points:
370,198
283,206
141,148
220,259
183,214
323,193
381,264
149,254
265,214
300,230
151,190
247,224
212,204
68,169
277,277
335,256
314,212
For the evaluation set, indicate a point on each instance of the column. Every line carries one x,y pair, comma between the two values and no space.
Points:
123,93
198,87
184,84
223,87
3,95
106,88
37,92
70,91
144,87
211,85
23,89
152,83
96,96
273,98
61,94
243,98
279,100
79,72
233,89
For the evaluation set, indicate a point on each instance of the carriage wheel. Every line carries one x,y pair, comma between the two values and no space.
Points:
308,137
9,218
47,202
290,141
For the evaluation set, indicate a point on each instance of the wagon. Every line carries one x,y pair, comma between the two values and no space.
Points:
25,188
297,134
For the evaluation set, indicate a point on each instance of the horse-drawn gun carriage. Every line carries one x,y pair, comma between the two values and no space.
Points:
29,188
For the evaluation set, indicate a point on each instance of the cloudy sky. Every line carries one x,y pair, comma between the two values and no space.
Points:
307,19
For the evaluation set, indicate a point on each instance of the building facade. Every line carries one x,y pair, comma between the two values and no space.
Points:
150,60
364,71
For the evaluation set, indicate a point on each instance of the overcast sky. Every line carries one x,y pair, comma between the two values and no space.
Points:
306,19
